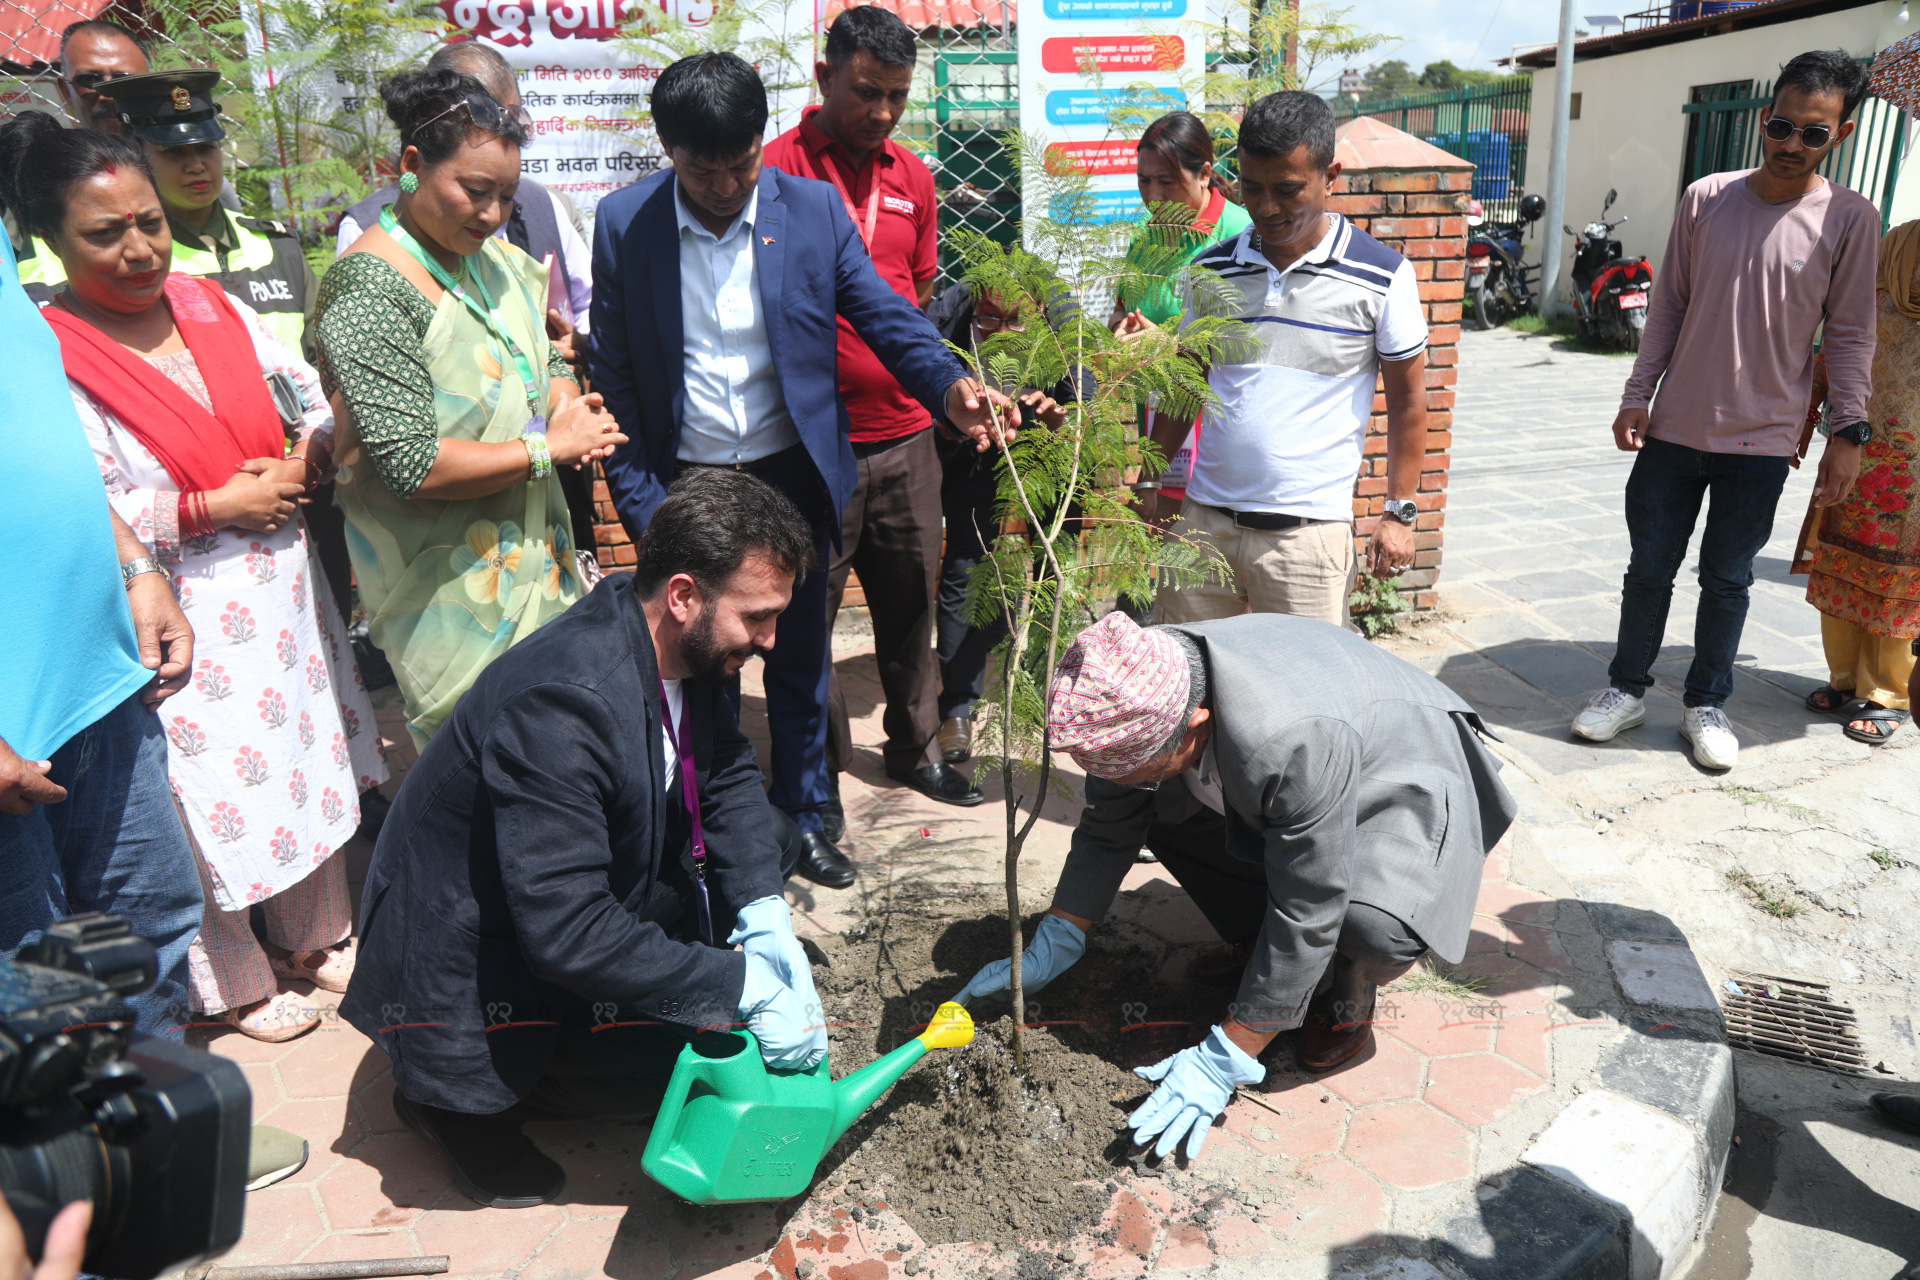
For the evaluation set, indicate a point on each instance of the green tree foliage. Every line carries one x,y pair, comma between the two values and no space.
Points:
1444,75
757,30
1070,541
305,124
1390,79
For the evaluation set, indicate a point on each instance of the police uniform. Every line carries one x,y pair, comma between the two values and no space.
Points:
255,259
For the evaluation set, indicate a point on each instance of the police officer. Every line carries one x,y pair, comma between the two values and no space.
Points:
256,260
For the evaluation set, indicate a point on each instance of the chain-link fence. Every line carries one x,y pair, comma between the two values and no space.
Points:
966,95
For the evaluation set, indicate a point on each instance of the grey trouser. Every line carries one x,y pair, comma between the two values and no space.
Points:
1375,947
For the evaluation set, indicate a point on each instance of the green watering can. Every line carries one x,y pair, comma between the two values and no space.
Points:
730,1131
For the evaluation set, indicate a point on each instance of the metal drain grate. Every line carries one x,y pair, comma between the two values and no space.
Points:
1792,1019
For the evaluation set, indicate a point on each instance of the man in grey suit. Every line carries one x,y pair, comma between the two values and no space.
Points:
1326,805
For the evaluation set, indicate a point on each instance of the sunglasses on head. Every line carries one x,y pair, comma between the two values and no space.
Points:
91,80
1815,136
484,112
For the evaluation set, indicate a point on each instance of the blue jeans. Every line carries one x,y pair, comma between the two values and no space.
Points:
114,844
1663,503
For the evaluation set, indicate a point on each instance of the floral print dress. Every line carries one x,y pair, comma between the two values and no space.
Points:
272,743
1866,554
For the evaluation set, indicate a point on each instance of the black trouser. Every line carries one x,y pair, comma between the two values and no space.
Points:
599,1070
890,536
621,1070
967,488
1375,947
327,526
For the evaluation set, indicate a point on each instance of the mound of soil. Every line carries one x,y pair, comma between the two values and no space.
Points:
965,1148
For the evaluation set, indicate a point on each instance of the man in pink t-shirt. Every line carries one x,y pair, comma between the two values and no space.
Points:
890,531
1756,263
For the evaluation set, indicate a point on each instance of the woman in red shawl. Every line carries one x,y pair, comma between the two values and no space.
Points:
276,739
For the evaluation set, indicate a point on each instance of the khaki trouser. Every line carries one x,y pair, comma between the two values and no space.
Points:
1877,668
1306,571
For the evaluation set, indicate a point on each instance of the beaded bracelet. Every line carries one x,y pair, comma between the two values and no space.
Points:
537,451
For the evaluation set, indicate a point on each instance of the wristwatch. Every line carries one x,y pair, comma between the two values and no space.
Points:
1405,510
137,566
1861,433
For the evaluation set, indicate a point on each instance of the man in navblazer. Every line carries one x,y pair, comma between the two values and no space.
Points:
1327,806
547,921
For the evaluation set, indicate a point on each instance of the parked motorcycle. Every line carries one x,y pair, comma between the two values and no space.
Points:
1610,290
1497,279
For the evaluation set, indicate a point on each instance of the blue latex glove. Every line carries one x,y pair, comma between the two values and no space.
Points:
1195,1086
791,1031
764,928
1056,945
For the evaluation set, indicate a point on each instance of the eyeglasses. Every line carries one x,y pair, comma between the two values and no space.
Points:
1816,136
88,81
998,324
485,114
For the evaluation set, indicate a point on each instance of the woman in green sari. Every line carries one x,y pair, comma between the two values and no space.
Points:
433,339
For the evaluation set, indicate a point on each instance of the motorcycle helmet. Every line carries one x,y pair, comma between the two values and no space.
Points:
1533,208
1475,213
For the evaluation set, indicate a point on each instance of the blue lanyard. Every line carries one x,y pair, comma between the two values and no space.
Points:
486,314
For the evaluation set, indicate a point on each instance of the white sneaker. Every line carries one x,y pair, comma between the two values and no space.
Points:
1607,713
1709,732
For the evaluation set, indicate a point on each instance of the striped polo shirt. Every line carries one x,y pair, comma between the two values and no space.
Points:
1292,419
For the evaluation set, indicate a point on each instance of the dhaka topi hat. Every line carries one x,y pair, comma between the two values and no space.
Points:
1118,696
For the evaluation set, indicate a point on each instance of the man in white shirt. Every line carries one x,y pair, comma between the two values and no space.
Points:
1328,309
718,289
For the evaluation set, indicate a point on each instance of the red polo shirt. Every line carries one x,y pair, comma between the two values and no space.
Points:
905,248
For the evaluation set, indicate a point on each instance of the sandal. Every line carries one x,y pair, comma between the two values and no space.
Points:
1876,715
329,968
279,1018
1828,700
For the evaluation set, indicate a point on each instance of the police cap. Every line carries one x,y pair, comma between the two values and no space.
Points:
168,108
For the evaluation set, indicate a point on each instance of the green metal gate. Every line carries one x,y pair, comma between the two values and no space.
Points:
1723,133
1487,124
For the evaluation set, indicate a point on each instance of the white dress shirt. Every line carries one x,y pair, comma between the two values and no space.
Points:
735,411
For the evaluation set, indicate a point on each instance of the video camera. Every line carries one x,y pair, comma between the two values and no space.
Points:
154,1133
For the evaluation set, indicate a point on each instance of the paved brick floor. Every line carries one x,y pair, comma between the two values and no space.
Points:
1316,1168
1453,1087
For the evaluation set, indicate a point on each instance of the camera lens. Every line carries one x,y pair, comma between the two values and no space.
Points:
48,1158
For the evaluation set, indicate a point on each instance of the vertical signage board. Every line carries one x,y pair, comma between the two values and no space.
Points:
1083,60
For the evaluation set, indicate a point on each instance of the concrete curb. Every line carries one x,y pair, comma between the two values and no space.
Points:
1621,1184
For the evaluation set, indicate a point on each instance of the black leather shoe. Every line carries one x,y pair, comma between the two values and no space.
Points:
823,864
833,819
1222,966
1901,1108
494,1164
940,782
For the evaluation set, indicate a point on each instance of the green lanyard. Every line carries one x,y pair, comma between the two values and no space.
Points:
486,313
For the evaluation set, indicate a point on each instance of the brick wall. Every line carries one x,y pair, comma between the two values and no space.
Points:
1421,212
612,546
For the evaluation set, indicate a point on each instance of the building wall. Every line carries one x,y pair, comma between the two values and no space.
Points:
1631,134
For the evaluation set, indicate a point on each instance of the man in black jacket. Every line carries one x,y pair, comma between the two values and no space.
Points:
969,489
547,921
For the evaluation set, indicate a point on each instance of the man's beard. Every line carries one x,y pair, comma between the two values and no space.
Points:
703,656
